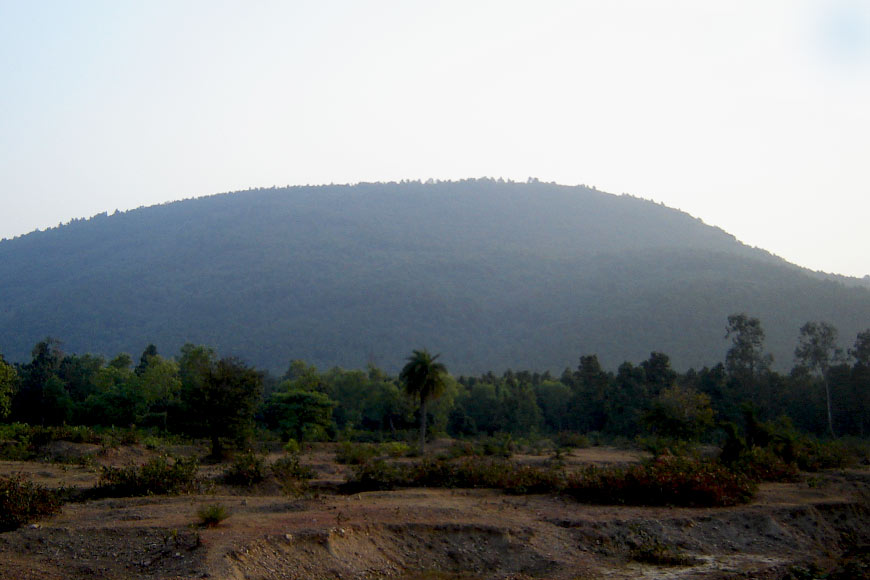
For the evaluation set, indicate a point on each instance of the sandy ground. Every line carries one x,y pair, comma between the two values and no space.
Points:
822,520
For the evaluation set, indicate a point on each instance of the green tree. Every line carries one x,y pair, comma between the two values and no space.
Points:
859,397
118,400
56,406
303,376
149,353
680,413
160,385
384,407
482,408
817,351
348,388
159,380
591,395
225,403
861,350
79,373
423,378
554,399
194,364
121,361
626,401
746,359
522,413
27,406
299,413
8,383
658,374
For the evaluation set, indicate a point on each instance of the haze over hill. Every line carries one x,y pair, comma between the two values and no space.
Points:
493,275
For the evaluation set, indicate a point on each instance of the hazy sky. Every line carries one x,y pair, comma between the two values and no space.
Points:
752,115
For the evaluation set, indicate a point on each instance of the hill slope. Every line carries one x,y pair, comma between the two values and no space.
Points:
493,275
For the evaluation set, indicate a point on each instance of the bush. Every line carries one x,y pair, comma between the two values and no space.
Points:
22,501
292,475
212,515
658,554
154,443
658,445
467,472
764,465
375,475
462,449
779,444
291,467
395,448
247,469
23,441
355,453
499,446
15,451
666,480
159,476
571,440
813,455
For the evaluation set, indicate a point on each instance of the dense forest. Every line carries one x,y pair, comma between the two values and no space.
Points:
490,274
827,392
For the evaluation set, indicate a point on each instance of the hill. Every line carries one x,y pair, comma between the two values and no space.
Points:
493,275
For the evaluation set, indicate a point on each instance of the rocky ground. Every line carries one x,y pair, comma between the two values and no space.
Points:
818,526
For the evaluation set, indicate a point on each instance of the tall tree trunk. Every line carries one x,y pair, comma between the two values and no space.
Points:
422,424
217,448
828,400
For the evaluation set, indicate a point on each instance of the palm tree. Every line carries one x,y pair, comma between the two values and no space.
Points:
423,378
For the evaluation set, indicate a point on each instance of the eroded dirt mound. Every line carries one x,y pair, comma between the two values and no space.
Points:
756,541
47,553
819,523
391,550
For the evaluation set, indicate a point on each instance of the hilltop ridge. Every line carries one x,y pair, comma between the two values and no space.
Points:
492,274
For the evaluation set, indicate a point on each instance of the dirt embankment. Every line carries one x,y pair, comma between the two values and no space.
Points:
822,521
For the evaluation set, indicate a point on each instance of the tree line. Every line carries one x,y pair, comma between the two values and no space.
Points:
198,394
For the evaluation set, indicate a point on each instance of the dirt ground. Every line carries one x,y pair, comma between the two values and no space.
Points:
820,523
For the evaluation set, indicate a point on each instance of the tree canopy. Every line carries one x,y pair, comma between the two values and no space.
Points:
423,377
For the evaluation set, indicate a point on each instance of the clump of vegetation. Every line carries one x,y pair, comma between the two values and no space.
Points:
292,447
487,472
666,480
246,469
658,554
15,451
375,475
212,515
356,453
22,441
154,443
813,455
502,445
462,449
775,451
395,449
571,440
658,445
22,501
292,475
761,464
159,476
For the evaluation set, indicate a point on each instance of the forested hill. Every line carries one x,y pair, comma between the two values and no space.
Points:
492,275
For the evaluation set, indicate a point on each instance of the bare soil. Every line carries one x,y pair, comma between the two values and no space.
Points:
821,523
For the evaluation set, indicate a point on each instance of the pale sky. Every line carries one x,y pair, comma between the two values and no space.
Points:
752,115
